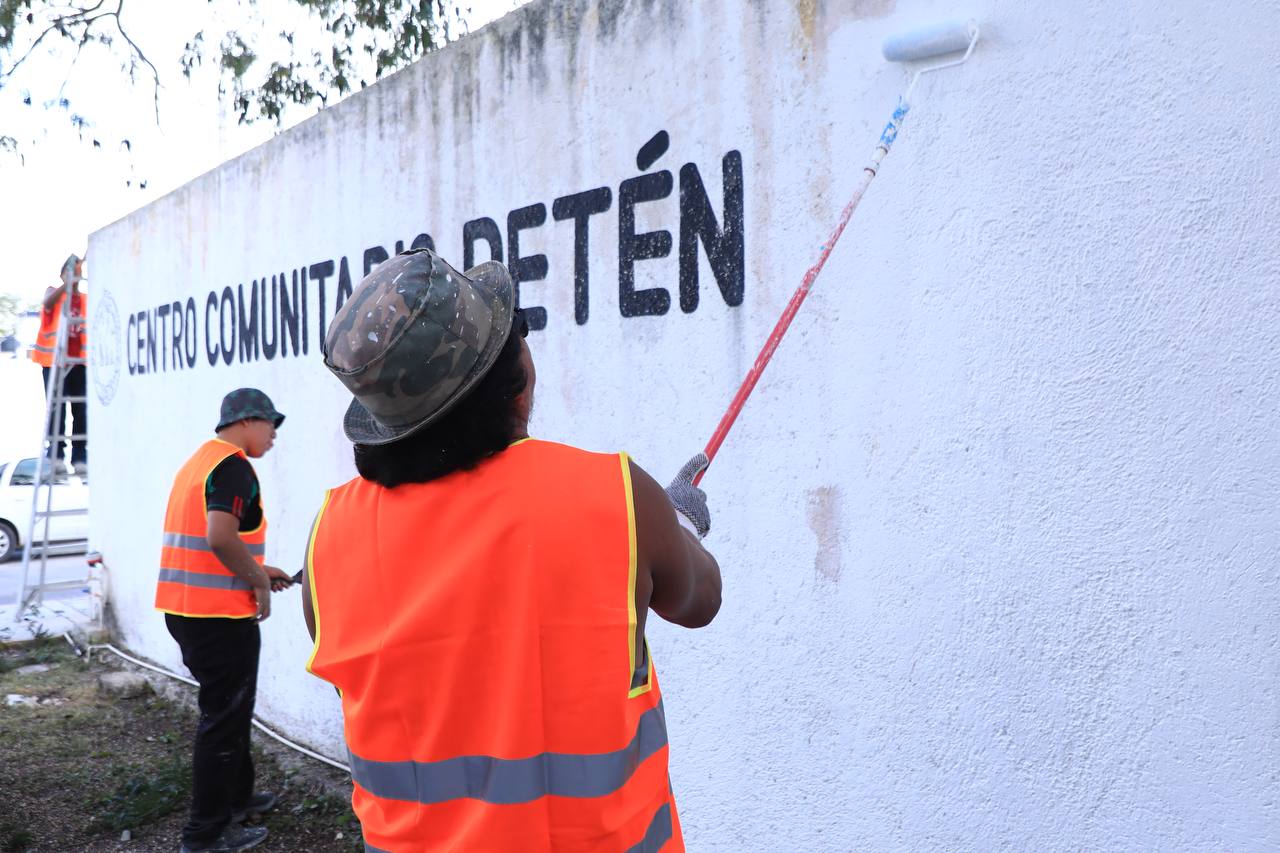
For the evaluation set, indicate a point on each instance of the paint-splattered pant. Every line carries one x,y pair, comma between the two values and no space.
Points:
222,655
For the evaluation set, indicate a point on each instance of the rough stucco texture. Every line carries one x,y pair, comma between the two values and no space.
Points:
998,528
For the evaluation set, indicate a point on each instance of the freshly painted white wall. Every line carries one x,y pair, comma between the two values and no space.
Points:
998,528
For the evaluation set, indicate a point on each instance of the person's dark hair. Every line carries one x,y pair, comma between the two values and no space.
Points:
478,426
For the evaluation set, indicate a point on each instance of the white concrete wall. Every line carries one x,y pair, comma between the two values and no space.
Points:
998,528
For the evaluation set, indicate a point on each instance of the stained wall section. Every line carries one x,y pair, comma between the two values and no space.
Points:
997,528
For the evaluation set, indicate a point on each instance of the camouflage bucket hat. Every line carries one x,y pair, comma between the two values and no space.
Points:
413,339
247,403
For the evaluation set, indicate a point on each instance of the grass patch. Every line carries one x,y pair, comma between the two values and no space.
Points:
82,766
45,648
322,809
14,838
144,797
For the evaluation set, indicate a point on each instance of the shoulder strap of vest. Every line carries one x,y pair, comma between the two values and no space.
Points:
310,575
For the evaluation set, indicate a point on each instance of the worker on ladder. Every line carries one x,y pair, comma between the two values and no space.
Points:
60,350
71,368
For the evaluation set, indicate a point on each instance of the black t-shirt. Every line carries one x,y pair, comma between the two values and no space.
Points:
233,487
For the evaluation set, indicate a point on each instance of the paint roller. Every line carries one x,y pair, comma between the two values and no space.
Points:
922,43
927,42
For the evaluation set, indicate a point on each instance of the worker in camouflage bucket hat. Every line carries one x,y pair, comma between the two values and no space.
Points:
483,594
414,338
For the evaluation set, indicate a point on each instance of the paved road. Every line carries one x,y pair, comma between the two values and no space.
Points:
59,569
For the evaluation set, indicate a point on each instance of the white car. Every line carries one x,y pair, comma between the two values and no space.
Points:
17,479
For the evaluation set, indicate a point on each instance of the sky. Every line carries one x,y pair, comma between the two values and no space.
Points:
67,187
63,187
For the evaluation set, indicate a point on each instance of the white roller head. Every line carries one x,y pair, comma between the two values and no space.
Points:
927,42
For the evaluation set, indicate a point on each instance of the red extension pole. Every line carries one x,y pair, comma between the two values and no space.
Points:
797,298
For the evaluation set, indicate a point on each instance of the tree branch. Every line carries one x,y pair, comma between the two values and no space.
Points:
84,39
14,67
60,24
154,73
9,144
393,33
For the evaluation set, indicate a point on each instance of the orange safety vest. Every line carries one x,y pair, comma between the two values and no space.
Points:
193,581
481,629
47,337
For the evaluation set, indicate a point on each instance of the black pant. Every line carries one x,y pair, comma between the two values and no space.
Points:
222,654
73,385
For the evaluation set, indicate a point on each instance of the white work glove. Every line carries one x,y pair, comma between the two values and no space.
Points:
689,501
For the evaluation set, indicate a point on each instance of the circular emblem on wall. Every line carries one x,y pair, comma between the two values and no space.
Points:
104,349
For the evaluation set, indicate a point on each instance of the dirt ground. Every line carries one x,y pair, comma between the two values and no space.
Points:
79,768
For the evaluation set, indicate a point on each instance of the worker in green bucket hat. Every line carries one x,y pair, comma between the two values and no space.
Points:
214,588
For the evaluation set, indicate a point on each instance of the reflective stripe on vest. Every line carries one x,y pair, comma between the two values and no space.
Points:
658,834
512,780
192,580
201,543
493,703
202,579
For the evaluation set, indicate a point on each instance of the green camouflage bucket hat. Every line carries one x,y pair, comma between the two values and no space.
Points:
245,403
413,339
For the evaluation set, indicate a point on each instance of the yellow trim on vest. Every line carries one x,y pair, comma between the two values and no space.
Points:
228,450
236,450
648,672
632,620
311,578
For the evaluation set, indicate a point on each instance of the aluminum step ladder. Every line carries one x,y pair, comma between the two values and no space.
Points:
46,478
